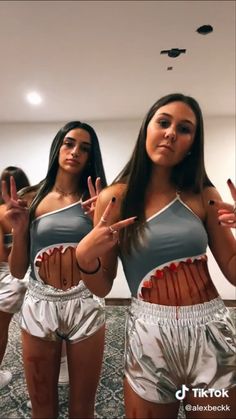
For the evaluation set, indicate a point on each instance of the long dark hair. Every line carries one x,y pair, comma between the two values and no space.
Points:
94,168
21,179
189,174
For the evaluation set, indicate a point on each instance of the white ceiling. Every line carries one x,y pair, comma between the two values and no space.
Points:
95,60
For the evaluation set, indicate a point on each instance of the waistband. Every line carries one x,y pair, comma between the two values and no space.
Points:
49,293
198,312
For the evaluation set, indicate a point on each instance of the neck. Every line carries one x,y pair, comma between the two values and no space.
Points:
160,181
66,185
65,193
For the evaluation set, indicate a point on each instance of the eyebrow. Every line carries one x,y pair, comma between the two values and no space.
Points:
73,139
184,120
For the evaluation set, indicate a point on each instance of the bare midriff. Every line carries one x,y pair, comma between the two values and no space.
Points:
185,284
59,268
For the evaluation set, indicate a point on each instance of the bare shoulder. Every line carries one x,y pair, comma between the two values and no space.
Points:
28,194
113,191
28,197
6,228
116,191
199,202
210,193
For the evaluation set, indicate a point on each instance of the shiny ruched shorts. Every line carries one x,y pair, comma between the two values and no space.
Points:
12,290
170,346
50,313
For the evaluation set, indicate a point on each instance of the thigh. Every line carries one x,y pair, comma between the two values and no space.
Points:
84,365
137,407
5,319
211,407
42,365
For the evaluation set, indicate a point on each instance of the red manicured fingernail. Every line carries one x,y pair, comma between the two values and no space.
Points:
229,181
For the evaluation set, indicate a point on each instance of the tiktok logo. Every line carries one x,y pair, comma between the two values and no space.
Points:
180,394
200,392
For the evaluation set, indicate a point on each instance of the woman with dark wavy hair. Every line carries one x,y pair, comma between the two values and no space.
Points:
12,290
58,307
180,339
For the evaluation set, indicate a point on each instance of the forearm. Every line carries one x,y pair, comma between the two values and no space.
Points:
231,275
19,257
99,282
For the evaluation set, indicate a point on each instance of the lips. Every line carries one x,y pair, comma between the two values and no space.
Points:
72,161
166,147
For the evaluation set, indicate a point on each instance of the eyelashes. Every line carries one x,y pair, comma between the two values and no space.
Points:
82,147
182,129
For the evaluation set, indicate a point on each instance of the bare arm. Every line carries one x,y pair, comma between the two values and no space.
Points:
221,240
3,253
102,242
18,217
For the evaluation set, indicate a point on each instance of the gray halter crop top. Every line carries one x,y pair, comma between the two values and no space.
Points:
7,240
173,234
57,230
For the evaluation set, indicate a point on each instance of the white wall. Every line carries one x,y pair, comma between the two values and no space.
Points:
27,145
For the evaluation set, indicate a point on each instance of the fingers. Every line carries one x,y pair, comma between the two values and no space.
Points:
9,199
220,205
232,189
89,201
124,223
98,185
227,217
5,195
105,218
91,187
13,189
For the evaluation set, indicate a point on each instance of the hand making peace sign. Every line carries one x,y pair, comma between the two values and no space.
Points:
103,237
90,204
17,212
227,212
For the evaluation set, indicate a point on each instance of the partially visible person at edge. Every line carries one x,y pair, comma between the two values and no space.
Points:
179,332
58,306
12,290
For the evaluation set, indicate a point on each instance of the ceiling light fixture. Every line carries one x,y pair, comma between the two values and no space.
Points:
204,29
34,98
174,52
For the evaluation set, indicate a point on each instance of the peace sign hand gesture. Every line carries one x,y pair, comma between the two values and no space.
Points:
227,212
90,204
17,212
102,238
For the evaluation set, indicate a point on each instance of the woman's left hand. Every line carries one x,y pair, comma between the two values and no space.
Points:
227,212
90,204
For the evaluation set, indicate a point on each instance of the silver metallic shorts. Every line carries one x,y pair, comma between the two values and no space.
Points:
170,346
50,313
12,290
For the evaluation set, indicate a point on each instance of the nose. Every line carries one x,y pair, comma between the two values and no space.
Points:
170,134
75,151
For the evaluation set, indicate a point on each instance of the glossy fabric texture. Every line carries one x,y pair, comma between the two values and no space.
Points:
12,290
50,313
170,346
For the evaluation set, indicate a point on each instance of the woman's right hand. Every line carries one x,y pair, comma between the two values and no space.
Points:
17,212
226,211
102,238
